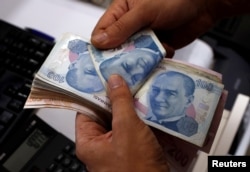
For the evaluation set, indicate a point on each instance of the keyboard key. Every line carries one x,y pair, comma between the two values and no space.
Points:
59,169
34,41
75,166
67,148
40,55
66,162
22,96
60,157
52,167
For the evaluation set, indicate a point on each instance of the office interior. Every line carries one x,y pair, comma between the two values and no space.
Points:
225,48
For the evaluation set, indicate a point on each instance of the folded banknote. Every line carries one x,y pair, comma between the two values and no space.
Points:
174,97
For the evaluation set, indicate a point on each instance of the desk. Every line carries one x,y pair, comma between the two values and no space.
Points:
53,17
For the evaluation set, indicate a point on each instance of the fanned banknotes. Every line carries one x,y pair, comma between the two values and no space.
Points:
175,97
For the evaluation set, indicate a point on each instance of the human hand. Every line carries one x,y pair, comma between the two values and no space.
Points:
129,146
175,22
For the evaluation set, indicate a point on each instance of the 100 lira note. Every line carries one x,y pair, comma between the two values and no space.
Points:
180,99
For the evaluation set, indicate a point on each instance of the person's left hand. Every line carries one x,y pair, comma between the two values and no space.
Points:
129,146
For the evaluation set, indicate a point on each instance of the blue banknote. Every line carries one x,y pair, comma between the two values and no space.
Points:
134,60
180,99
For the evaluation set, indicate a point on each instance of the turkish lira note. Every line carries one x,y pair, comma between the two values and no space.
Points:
180,99
133,60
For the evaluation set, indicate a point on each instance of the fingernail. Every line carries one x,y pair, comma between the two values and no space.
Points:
100,37
115,81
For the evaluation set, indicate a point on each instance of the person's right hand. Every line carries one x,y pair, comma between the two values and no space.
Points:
176,22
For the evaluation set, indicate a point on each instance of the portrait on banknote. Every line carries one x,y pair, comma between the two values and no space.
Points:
134,60
170,95
134,66
81,73
179,100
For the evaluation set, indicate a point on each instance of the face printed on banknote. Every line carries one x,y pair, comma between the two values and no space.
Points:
81,73
170,95
134,60
173,98
134,66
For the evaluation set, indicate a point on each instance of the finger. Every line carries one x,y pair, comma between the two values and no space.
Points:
87,129
118,31
124,115
114,12
92,140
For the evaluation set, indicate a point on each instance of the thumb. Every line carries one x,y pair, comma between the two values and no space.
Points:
124,115
116,32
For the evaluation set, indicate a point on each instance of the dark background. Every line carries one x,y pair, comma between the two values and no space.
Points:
230,41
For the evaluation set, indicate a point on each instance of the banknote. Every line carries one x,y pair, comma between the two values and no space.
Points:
180,99
134,60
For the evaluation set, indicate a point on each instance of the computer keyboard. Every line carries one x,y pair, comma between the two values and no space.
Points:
22,133
21,55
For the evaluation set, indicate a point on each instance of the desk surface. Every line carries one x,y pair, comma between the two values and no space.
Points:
55,17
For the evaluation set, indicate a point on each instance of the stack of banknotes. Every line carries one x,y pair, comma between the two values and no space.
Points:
180,100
